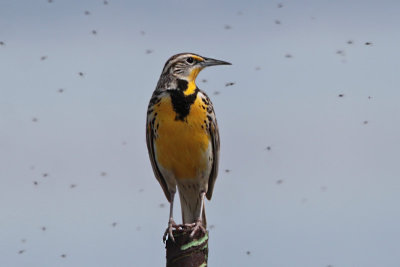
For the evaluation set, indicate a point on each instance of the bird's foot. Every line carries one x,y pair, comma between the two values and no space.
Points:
197,226
170,228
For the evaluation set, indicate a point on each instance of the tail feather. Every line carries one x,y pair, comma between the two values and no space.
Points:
190,206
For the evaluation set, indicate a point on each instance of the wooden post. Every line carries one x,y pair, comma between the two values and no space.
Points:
187,251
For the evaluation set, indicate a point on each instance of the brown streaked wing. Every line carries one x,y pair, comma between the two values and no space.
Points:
214,134
156,170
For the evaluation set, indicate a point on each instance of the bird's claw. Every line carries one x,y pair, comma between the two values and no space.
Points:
198,225
168,231
192,227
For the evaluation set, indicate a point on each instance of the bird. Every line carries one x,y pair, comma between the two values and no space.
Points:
183,139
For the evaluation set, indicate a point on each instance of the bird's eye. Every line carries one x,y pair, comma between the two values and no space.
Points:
190,60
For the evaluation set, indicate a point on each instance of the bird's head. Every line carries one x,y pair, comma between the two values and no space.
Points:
186,66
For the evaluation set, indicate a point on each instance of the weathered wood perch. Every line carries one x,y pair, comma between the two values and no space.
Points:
187,251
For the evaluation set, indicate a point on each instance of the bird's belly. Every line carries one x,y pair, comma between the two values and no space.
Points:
182,146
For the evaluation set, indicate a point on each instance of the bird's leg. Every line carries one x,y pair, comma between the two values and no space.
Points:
171,222
198,225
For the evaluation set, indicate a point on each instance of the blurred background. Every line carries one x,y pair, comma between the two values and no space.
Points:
308,116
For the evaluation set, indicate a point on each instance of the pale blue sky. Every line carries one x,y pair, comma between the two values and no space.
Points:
327,193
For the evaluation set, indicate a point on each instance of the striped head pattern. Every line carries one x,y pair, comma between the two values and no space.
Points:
186,66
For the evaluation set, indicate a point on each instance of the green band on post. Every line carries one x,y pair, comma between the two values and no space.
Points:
195,243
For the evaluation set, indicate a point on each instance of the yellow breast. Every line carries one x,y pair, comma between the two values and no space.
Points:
181,146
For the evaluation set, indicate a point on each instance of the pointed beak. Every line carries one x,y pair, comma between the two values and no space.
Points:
213,62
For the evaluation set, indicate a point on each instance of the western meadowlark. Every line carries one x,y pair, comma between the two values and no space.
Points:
183,139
